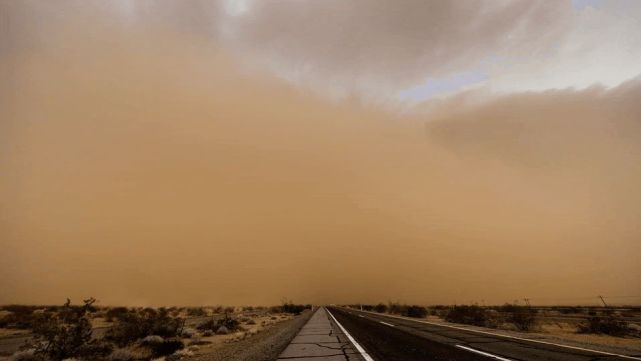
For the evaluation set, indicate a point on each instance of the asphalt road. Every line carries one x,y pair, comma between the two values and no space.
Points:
392,338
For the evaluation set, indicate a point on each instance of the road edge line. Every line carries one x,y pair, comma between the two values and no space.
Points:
487,354
359,348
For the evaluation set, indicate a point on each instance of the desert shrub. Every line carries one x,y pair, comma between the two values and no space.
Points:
471,315
196,312
609,325
22,317
522,317
151,339
229,322
402,309
416,311
395,308
293,308
67,334
222,330
132,326
114,313
188,332
380,308
166,347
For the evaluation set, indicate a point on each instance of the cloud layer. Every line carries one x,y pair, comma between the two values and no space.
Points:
378,49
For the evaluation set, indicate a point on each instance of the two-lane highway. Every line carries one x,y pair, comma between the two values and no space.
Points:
392,338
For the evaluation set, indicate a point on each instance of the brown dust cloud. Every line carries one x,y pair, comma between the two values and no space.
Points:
147,160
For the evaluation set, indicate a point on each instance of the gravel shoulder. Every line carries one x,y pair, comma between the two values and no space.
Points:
264,346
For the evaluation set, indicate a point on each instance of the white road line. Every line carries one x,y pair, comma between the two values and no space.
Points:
512,337
385,323
359,348
483,353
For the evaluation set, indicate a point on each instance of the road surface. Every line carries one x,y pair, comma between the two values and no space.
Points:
391,338
321,339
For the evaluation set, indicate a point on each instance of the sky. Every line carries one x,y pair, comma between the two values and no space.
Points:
242,152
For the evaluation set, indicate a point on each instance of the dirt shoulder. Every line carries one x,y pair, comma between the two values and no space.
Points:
263,346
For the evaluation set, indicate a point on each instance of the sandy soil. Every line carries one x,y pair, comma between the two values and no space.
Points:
263,345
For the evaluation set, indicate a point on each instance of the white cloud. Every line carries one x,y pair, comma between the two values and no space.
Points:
378,49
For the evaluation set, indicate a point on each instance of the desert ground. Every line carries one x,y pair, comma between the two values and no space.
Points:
265,333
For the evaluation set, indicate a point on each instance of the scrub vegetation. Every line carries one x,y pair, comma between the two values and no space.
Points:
68,332
524,318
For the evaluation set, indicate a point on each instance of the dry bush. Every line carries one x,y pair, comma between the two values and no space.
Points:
114,312
22,317
196,312
470,315
608,325
415,311
524,318
67,334
380,308
134,325
405,310
228,322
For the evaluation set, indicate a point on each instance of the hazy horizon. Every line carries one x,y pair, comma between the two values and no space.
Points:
204,153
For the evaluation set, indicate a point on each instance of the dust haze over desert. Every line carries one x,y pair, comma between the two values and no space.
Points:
239,152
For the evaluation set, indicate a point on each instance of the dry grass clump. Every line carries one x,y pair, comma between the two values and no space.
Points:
523,318
220,326
134,325
609,325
